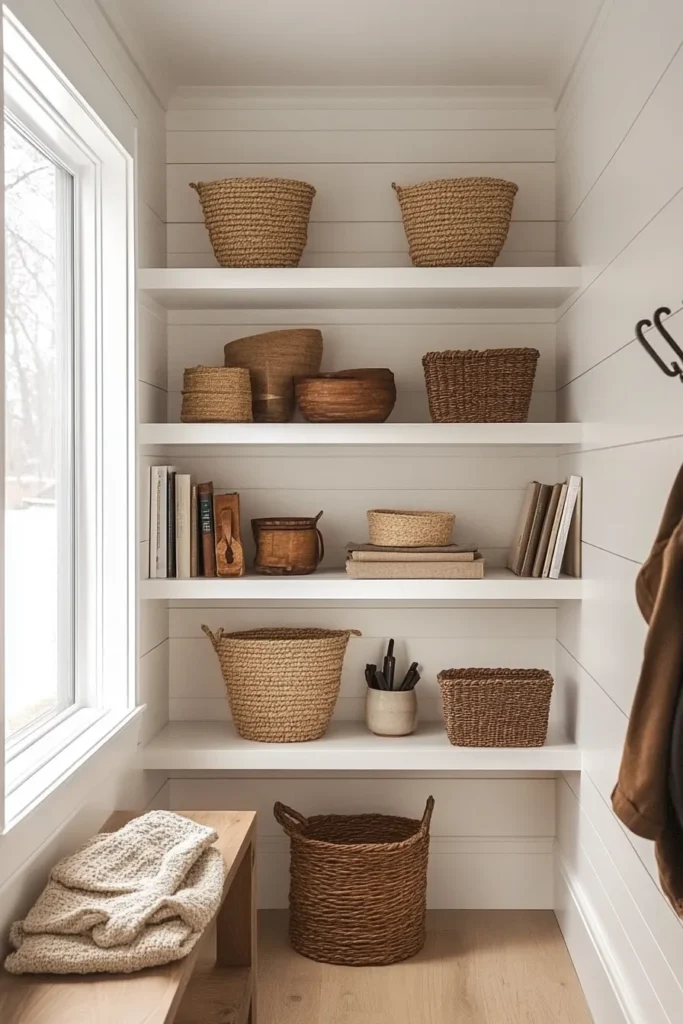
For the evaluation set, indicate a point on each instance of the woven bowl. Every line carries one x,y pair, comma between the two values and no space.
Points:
274,359
213,394
456,222
350,396
496,707
488,386
256,222
394,528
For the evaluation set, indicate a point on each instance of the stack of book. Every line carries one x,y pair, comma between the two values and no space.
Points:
548,537
450,562
192,531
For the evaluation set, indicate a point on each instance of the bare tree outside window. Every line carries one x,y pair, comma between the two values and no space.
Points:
38,424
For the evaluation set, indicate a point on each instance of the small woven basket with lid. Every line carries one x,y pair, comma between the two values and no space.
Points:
489,386
456,222
256,222
282,684
358,885
214,394
496,707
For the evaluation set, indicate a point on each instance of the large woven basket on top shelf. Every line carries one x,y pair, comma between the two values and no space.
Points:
358,885
256,222
274,359
214,394
496,707
456,222
487,386
395,528
282,684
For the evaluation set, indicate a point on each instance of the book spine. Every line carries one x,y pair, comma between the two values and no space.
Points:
573,485
536,527
154,486
194,532
170,524
208,533
162,532
182,525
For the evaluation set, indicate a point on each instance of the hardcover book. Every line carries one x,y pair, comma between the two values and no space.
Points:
208,536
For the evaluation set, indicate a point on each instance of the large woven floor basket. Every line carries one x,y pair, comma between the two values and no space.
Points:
358,885
487,386
496,707
456,222
282,684
256,222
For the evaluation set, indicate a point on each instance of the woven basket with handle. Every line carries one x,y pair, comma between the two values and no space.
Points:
256,222
496,707
282,684
358,885
456,222
489,386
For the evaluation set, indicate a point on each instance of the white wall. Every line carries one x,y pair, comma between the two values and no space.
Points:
620,203
80,42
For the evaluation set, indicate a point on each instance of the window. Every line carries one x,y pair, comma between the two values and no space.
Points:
68,426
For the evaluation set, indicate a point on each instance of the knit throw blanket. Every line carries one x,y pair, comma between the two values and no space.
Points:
139,897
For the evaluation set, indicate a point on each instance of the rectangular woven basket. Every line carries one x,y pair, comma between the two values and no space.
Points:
487,386
496,707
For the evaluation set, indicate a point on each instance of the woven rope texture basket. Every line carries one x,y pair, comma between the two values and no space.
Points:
256,222
358,885
282,684
212,394
487,386
456,222
395,528
274,359
496,707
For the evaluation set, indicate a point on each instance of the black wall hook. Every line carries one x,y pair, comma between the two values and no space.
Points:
676,369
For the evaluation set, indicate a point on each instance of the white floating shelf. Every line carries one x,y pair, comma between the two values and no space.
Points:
536,434
209,746
360,287
498,585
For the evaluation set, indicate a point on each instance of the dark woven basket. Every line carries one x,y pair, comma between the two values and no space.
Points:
489,386
496,707
358,885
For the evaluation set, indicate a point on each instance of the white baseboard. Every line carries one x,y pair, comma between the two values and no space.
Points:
603,984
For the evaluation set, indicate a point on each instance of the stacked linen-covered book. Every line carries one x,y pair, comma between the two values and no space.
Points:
449,562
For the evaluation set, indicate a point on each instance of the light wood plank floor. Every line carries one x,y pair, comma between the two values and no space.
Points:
477,967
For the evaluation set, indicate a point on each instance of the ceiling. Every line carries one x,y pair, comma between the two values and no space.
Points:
354,42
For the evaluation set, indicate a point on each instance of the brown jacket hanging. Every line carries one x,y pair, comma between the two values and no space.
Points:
642,796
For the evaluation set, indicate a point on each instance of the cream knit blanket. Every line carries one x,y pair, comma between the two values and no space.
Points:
130,899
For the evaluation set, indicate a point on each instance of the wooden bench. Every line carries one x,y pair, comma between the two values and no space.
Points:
215,984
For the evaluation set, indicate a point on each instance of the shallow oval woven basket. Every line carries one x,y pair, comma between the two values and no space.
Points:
456,222
488,386
496,707
256,222
395,528
358,885
274,359
282,684
214,394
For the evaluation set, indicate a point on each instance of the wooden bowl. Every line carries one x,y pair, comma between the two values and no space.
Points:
350,396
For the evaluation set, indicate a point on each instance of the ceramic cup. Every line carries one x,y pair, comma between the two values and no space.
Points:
391,712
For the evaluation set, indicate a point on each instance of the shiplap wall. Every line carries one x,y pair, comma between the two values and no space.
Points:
620,202
492,843
81,43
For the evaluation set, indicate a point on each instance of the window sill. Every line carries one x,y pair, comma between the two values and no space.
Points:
90,730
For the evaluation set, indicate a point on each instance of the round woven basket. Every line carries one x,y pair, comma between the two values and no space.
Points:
358,885
456,222
274,359
489,386
282,684
396,528
256,222
496,707
212,394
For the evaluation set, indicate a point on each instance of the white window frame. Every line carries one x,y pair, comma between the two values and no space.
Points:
41,98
